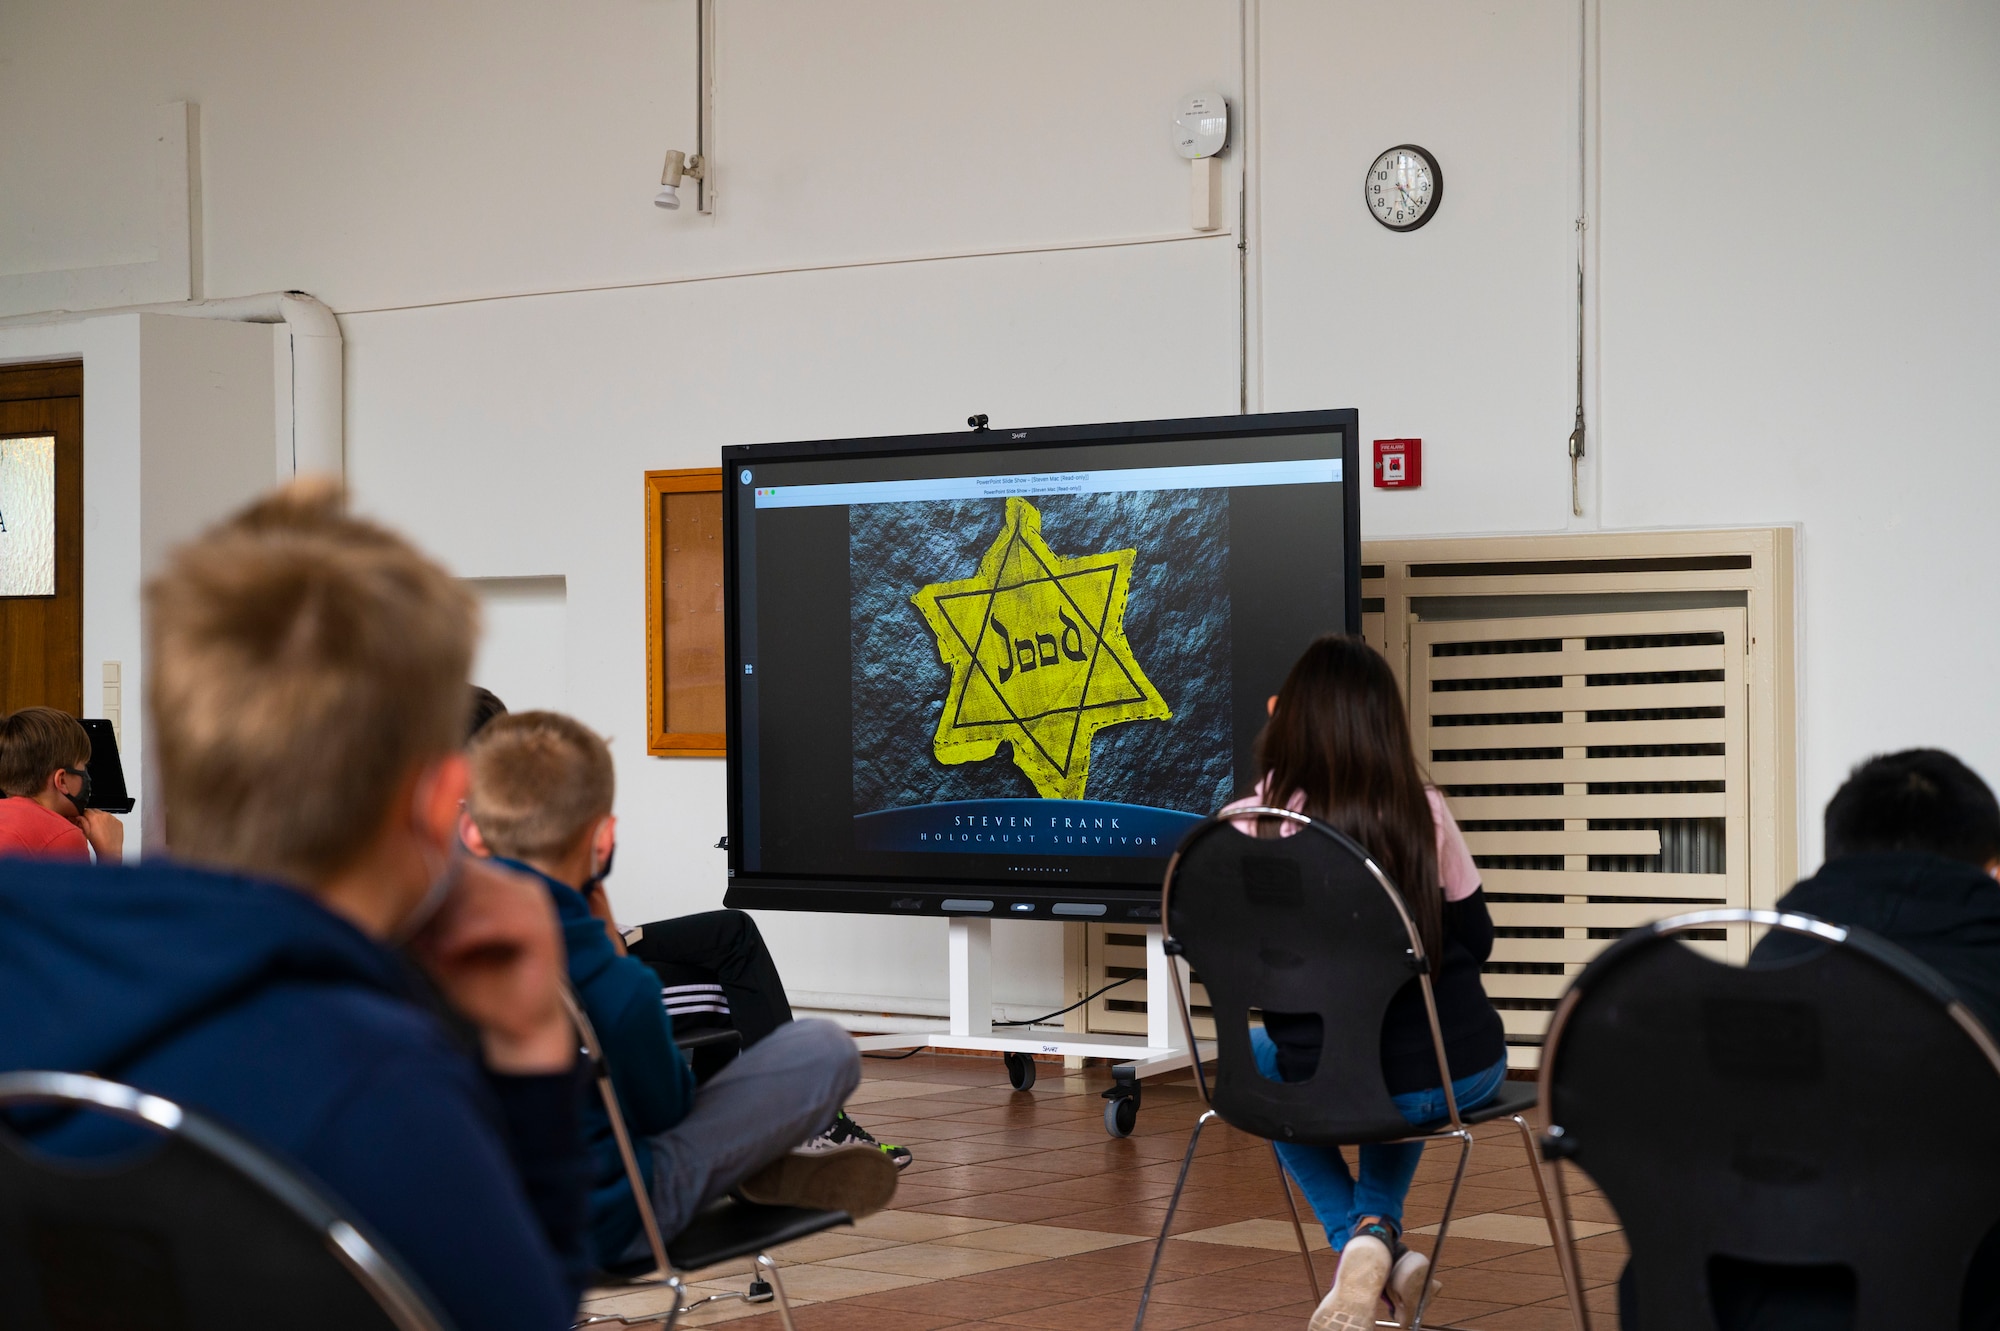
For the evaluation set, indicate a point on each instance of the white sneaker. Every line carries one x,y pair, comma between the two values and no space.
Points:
1358,1284
1407,1279
854,1178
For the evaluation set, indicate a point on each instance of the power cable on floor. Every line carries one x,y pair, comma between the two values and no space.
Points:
1030,1021
1051,1016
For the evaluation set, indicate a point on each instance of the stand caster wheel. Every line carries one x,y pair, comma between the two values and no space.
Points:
1020,1071
759,1292
1121,1107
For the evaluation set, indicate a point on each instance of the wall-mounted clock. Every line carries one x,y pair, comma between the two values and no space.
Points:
1404,187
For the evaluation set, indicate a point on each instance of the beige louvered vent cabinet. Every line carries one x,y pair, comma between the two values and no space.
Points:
1609,717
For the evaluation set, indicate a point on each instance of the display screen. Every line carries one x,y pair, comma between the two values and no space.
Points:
1005,672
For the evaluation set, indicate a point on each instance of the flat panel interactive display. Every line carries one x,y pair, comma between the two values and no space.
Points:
1002,672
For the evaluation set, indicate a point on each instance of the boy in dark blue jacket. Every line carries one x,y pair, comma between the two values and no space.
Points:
1912,855
306,681
541,798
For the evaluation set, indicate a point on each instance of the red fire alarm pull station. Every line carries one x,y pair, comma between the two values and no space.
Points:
1399,464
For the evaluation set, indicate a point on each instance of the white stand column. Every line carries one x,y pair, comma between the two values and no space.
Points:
1162,1019
971,949
969,945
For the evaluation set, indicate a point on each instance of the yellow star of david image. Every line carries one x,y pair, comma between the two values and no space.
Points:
1038,657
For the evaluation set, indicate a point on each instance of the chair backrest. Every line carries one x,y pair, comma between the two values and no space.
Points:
194,1228
1305,923
1838,1110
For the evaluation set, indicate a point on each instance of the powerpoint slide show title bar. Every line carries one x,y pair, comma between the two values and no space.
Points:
1215,476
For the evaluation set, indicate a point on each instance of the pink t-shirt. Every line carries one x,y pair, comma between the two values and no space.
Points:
1456,871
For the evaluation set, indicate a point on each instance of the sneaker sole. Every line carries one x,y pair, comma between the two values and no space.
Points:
1357,1288
857,1179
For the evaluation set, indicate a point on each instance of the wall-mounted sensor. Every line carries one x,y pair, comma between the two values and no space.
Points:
679,165
1201,130
1201,125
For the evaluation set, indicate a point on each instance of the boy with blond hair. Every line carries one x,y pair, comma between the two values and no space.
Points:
306,683
540,801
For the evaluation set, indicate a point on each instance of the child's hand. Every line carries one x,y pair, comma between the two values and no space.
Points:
496,953
105,834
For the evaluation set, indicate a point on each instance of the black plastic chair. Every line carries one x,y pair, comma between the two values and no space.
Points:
1309,923
1837,1111
708,1049
723,1231
194,1228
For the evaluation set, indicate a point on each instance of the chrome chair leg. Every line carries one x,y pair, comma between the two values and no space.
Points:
1565,1263
664,1320
1167,1225
1464,1136
770,1270
1566,1242
1298,1230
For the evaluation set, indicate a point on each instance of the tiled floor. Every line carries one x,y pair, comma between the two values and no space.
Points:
1022,1213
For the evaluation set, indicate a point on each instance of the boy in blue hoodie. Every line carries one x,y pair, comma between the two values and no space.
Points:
306,678
540,800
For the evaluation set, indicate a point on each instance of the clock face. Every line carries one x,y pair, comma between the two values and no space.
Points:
1404,187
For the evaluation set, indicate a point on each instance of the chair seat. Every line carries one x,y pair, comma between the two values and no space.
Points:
1513,1097
726,1229
710,1037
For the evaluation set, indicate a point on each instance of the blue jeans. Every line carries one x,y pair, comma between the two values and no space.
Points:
1338,1198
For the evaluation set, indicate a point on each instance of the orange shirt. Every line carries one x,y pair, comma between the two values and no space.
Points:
26,828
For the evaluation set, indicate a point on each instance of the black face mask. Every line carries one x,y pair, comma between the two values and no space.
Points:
81,800
596,880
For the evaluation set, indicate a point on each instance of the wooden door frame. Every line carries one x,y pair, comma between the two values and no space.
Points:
60,384
661,742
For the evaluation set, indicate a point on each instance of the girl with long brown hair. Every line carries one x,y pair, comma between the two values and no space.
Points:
1337,749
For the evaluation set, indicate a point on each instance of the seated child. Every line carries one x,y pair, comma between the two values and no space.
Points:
1912,852
305,689
1337,748
43,786
540,801
714,971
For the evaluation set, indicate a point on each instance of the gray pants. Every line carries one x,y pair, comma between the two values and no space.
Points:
777,1093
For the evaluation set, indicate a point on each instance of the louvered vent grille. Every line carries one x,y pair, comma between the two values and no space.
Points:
1593,762
1584,703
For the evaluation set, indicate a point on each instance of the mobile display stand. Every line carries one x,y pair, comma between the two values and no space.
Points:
1162,1049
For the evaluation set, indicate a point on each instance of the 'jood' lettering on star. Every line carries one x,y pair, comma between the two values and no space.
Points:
1038,656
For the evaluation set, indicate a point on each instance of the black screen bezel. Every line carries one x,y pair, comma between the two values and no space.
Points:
1013,900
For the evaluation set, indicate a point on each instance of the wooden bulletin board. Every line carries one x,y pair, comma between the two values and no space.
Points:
684,645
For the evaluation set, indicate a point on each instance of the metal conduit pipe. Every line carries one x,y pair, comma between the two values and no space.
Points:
316,361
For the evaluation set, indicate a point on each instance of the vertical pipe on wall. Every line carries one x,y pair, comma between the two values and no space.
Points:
704,114
1249,216
1577,436
1587,438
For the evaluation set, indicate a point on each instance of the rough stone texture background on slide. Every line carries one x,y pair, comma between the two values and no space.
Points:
1176,618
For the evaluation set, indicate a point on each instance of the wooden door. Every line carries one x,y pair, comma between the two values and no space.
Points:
41,637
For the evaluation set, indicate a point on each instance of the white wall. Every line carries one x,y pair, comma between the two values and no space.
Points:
1794,303
206,425
177,417
524,641
1801,314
